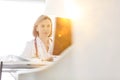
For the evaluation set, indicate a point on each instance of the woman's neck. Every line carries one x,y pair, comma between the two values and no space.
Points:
44,39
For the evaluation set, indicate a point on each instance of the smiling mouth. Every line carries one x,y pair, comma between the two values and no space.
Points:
45,33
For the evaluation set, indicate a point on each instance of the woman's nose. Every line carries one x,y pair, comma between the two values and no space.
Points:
45,28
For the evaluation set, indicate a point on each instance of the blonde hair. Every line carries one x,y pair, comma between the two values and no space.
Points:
41,18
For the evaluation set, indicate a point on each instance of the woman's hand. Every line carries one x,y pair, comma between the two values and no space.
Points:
48,59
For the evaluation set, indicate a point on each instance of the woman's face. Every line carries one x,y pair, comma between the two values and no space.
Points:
44,28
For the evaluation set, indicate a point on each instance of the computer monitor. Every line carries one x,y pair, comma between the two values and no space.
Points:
63,35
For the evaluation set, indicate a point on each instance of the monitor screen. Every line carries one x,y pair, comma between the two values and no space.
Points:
63,35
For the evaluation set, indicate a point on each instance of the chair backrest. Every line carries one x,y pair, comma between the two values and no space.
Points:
1,65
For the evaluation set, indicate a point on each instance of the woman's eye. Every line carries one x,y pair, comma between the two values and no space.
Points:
48,26
42,25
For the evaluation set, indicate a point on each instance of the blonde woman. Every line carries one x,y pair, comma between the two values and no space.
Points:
41,46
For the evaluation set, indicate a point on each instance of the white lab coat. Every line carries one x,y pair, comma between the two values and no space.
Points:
29,51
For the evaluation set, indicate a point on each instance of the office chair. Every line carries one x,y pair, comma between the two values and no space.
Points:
1,65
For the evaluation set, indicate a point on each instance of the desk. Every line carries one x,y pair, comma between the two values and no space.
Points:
17,67
23,66
15,62
14,68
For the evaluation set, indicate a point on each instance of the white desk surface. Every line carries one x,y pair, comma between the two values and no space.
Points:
13,66
20,65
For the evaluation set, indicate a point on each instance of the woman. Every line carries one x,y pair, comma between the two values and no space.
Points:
41,46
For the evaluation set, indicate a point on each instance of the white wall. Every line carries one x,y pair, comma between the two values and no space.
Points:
97,41
16,23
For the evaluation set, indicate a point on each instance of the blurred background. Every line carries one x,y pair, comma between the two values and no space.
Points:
96,35
17,18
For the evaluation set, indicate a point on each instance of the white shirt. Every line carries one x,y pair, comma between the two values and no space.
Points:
29,51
